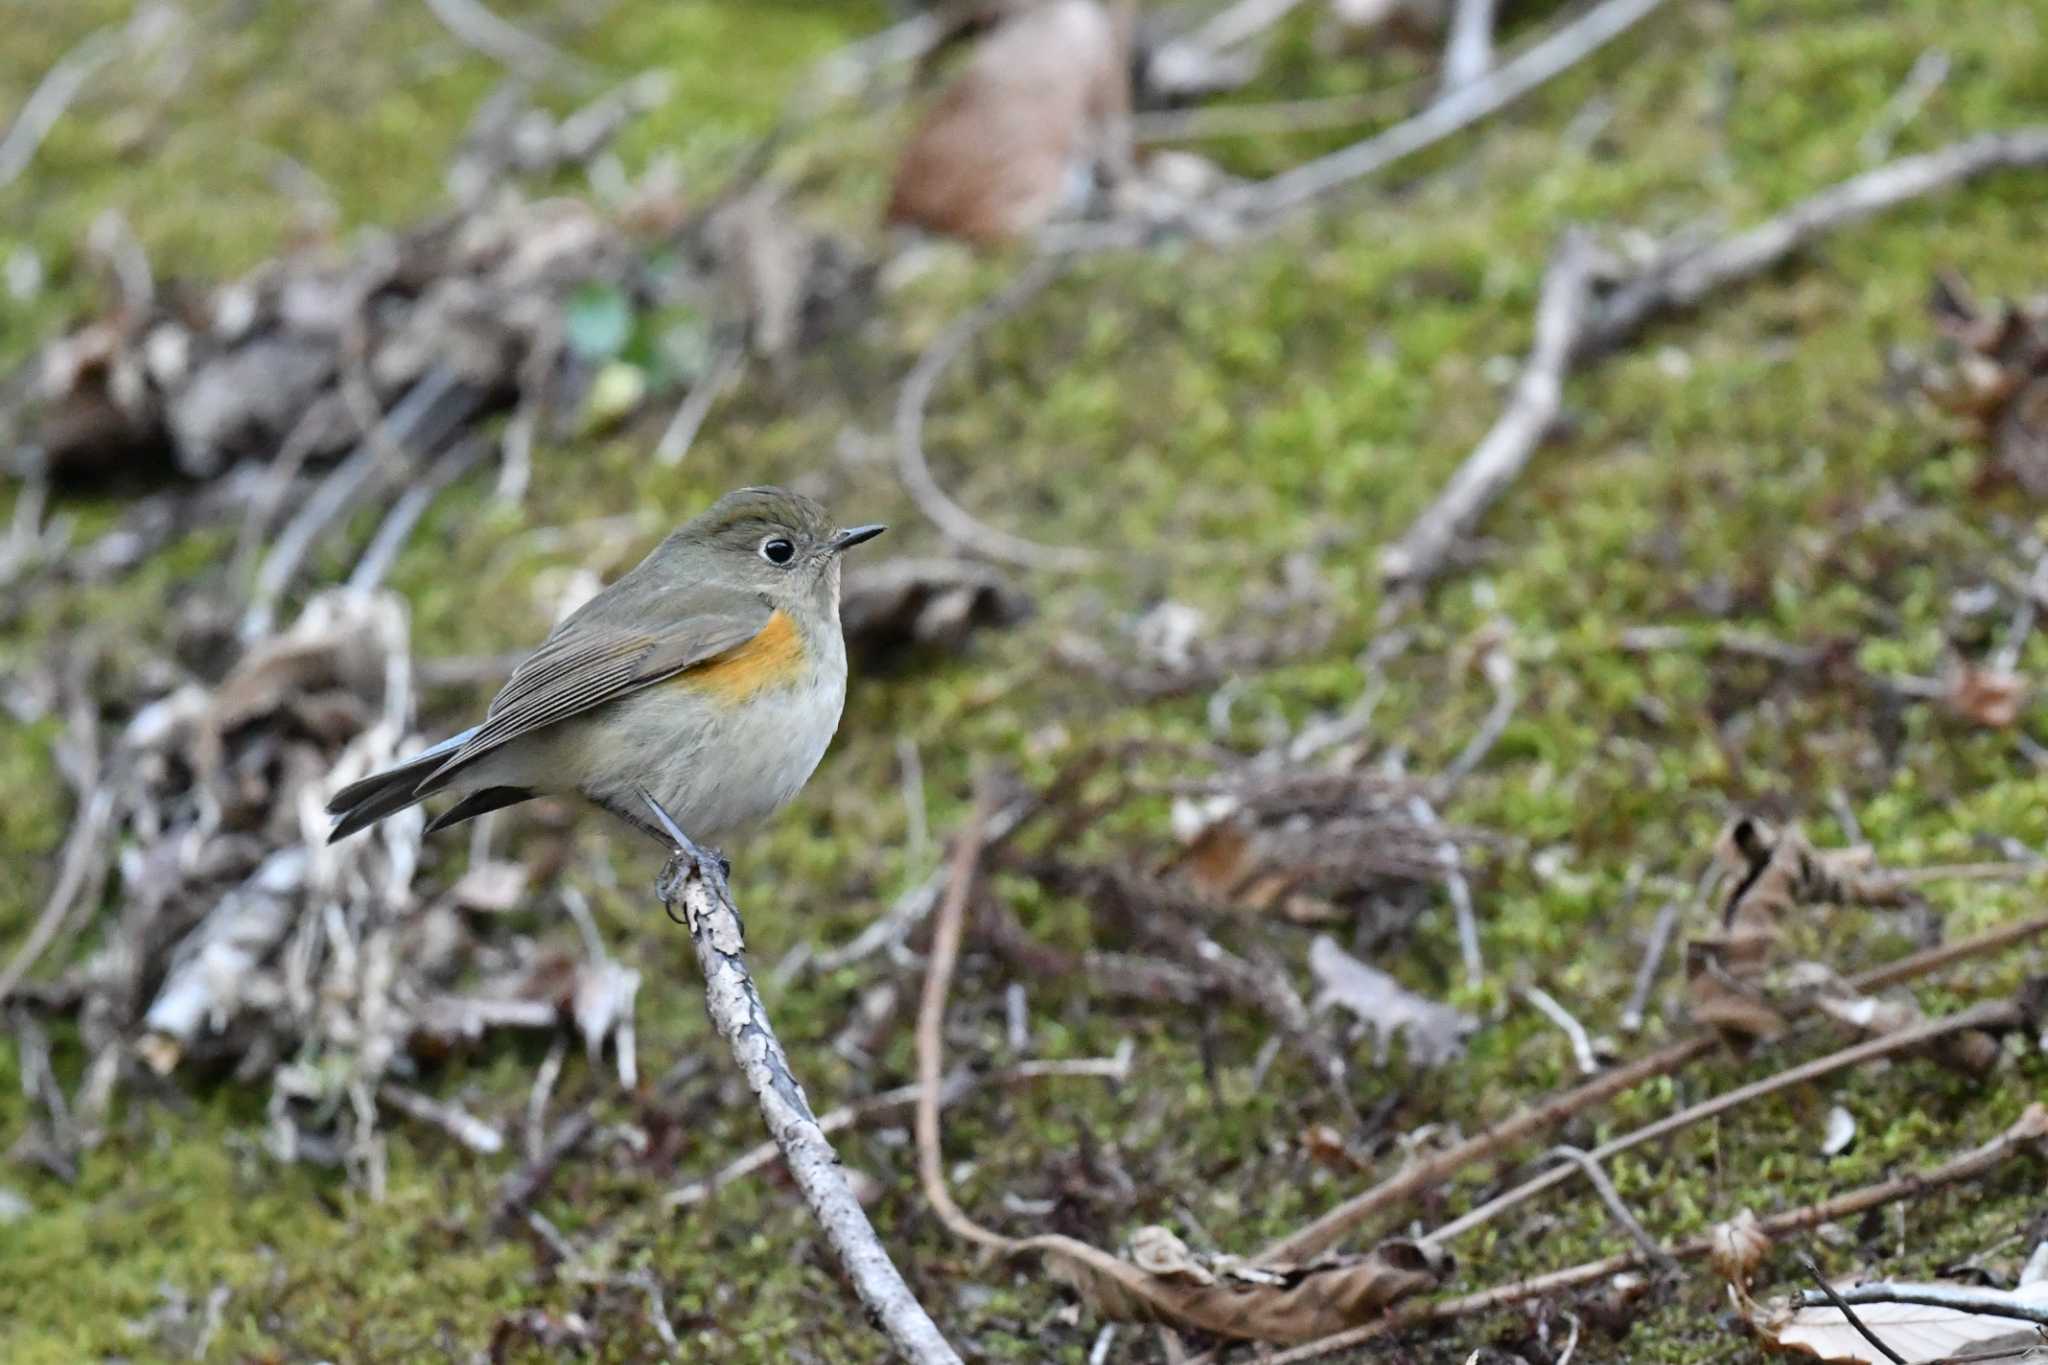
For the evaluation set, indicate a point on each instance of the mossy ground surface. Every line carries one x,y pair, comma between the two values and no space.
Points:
1199,416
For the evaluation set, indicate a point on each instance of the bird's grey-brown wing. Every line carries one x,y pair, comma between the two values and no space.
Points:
591,660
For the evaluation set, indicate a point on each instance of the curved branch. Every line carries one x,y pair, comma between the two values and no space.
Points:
949,516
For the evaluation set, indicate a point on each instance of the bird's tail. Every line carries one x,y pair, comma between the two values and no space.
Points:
362,804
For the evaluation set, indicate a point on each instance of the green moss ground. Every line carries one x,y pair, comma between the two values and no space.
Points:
1200,416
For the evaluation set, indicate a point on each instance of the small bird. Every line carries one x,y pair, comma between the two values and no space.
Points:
708,680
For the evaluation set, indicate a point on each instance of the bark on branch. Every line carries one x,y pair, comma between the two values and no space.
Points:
693,882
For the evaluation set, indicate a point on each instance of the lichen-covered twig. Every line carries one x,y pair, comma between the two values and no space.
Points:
741,1019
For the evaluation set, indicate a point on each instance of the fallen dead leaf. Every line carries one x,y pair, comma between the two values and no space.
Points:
1011,138
1163,1282
1990,697
1918,1332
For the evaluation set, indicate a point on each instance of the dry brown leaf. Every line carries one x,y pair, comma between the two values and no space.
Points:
1993,375
1007,140
1972,1053
1737,1247
1733,974
1991,697
1163,1282
1436,1033
1918,1332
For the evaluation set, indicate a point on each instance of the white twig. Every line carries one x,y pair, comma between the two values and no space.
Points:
1461,894
503,42
83,850
46,104
1905,105
452,1119
696,406
950,517
915,905
1582,1045
1692,275
1455,111
405,514
1962,1298
1240,23
1468,51
1652,963
1500,457
741,1019
433,404
537,1101
1611,1197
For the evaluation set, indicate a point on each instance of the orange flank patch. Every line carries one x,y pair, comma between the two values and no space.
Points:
771,659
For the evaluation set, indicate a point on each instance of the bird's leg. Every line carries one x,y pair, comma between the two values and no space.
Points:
686,857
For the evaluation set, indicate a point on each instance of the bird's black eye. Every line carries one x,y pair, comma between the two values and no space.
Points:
777,550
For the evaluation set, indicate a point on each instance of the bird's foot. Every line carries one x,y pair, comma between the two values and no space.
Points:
687,859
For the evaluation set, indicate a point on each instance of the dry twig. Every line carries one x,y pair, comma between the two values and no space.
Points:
950,517
52,96
1498,460
1991,1014
2025,1135
1457,110
1334,1225
1573,328
1829,1295
503,42
1468,50
741,1019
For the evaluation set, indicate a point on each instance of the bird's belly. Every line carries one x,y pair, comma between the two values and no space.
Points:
715,765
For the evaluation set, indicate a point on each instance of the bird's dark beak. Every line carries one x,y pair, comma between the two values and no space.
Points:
854,535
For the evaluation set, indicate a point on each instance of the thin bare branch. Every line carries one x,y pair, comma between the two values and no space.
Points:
503,42
950,517
742,1020
931,1019
2024,1135
1962,1298
1992,1014
1468,50
682,429
47,103
1582,1045
1334,1225
1828,1295
1456,111
1499,458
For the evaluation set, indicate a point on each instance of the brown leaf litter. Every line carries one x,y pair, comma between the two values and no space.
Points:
1918,1323
1158,1279
1991,374
1737,981
238,937
1015,137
